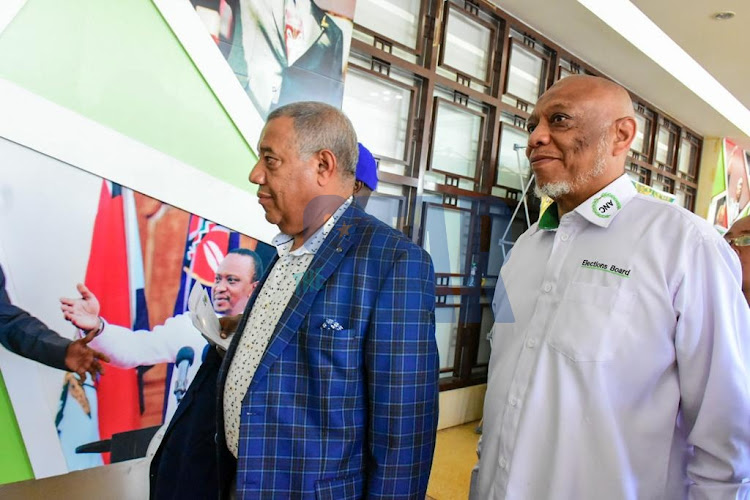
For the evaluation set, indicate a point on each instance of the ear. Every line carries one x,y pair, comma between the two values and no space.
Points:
327,166
625,129
253,286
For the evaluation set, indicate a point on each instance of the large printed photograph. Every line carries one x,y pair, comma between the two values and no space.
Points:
270,52
76,248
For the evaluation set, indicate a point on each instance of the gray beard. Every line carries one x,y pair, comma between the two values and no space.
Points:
555,190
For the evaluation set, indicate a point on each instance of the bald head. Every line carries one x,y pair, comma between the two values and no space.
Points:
612,97
580,135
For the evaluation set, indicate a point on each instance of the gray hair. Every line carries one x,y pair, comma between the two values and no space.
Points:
319,126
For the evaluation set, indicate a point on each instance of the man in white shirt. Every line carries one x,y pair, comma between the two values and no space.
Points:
624,372
236,278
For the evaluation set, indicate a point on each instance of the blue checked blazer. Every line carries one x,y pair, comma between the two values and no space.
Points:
348,412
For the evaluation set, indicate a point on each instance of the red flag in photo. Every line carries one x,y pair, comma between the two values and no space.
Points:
107,278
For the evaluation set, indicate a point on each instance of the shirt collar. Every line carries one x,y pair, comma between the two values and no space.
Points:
283,242
600,209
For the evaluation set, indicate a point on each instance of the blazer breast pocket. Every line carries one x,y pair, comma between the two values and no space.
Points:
333,366
591,322
339,350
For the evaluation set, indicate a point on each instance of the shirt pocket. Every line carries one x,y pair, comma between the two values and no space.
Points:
591,321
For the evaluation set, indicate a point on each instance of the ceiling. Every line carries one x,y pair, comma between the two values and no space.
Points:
719,46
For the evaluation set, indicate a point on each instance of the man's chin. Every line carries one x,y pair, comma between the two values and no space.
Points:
553,189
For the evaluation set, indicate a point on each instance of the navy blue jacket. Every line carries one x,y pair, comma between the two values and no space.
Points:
184,466
25,335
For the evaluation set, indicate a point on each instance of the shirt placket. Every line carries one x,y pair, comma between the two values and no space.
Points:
535,334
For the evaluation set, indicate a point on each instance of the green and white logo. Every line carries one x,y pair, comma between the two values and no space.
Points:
605,205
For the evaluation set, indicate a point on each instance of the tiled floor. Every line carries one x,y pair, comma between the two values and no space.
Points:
455,456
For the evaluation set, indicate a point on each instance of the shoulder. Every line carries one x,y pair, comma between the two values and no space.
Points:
672,219
379,241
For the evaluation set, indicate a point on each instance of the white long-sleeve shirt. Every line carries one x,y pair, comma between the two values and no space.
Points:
128,349
622,369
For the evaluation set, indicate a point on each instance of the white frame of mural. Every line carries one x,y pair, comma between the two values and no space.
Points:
205,54
8,11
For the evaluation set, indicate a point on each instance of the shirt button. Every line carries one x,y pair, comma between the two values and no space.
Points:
503,463
564,236
513,401
547,287
531,343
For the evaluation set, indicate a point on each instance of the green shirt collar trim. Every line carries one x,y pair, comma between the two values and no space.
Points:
550,218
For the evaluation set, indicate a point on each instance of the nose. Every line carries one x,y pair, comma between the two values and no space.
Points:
538,137
220,285
257,174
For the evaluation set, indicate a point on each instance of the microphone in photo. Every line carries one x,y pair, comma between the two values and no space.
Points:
183,361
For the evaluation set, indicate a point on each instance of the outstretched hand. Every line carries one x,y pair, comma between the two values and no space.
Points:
83,312
80,358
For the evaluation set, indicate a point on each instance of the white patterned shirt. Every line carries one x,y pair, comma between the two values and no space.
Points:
271,302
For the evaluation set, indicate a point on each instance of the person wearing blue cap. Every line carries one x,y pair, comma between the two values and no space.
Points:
366,176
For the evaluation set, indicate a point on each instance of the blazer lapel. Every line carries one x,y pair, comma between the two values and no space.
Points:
326,261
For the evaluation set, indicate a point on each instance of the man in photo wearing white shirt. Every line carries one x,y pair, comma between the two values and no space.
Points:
624,372
236,278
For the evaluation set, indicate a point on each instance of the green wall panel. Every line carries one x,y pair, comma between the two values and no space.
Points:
119,64
14,462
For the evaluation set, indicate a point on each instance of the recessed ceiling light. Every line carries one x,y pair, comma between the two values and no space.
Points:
723,16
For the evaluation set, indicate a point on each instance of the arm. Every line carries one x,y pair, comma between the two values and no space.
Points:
128,348
713,356
402,375
27,336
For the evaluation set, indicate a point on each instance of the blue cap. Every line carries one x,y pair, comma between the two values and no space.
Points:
367,168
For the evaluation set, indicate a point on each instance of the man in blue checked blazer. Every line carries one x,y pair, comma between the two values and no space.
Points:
329,389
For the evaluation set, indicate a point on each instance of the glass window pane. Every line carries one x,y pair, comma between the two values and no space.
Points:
394,19
665,146
526,70
662,183
510,172
388,209
634,176
495,257
639,143
446,329
467,45
455,147
379,111
680,194
686,158
446,237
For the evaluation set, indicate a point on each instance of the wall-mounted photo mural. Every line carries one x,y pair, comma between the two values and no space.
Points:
731,191
76,242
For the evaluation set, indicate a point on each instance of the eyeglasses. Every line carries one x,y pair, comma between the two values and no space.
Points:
739,241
